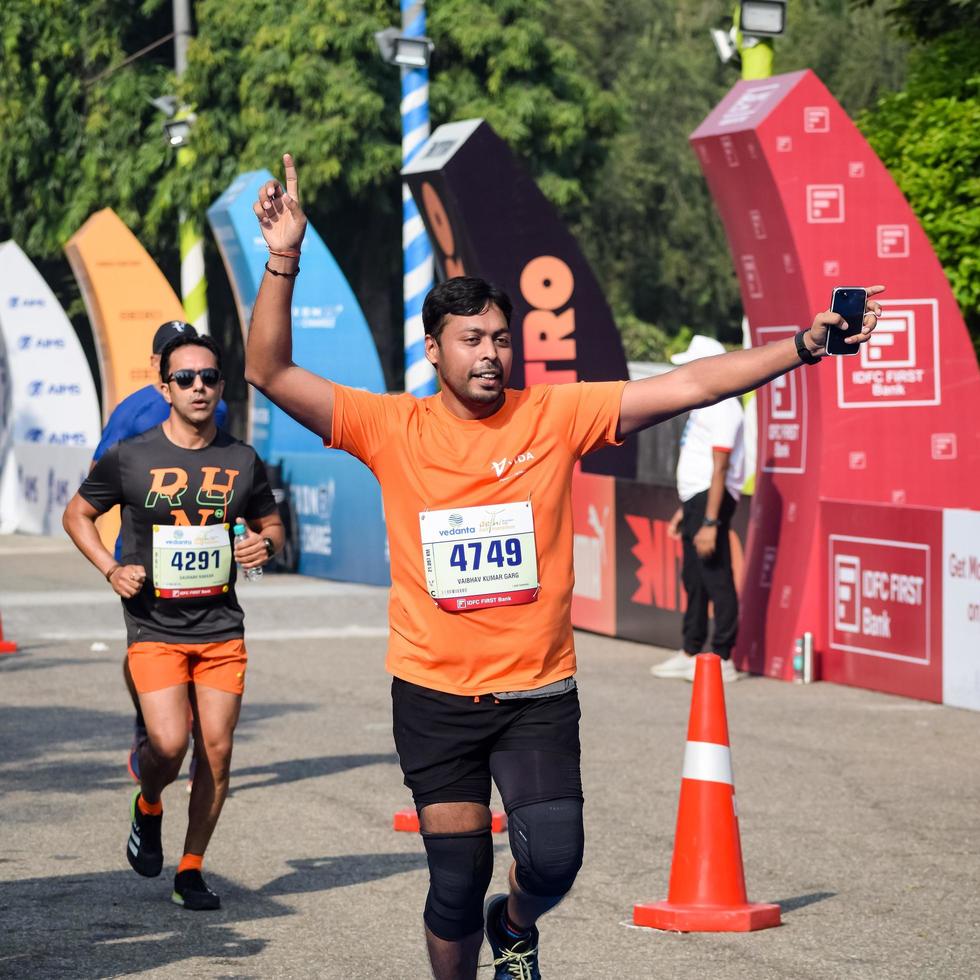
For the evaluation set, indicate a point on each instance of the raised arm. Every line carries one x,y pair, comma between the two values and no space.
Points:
269,366
712,379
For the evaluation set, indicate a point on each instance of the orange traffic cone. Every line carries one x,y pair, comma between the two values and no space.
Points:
6,646
408,820
707,883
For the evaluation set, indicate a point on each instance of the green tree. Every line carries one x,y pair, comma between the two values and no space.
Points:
77,139
650,228
81,133
928,135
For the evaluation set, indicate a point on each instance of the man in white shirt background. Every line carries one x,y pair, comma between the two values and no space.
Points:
710,473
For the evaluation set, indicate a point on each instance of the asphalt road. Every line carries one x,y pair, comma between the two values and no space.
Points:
859,812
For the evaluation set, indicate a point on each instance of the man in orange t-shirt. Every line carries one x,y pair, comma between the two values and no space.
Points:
477,492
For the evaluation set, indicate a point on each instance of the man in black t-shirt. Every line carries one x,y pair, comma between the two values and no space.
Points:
181,485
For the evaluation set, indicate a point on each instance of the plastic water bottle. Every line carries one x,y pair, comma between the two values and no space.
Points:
251,574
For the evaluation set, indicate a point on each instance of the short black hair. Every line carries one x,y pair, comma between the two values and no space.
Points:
462,296
186,341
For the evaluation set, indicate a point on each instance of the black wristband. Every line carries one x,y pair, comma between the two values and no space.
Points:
269,546
805,356
284,275
711,522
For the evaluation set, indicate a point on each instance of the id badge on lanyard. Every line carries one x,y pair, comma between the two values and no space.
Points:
478,557
190,562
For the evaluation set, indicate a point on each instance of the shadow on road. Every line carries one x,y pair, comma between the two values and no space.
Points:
111,924
802,901
322,874
293,770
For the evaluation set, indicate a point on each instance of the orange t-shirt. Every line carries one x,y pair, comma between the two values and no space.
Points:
426,458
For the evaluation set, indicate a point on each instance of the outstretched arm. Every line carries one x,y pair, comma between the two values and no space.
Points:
269,366
712,379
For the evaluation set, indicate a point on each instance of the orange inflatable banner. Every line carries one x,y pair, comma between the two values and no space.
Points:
127,298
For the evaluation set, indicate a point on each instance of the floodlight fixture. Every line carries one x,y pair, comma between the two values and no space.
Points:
178,131
763,18
723,45
167,104
400,49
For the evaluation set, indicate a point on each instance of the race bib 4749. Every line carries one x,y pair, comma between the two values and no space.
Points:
476,557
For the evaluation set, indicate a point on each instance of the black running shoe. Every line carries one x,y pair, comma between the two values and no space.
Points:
192,893
144,849
511,960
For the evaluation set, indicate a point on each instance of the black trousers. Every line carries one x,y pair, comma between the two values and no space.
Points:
708,580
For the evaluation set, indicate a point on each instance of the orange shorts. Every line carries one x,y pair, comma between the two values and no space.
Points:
156,665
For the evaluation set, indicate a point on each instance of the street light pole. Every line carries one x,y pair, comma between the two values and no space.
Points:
193,285
417,278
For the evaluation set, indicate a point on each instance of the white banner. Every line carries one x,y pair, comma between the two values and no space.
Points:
53,401
46,479
961,608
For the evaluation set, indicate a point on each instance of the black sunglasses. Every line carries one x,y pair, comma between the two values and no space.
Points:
185,377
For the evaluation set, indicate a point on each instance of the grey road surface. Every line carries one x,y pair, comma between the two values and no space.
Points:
860,813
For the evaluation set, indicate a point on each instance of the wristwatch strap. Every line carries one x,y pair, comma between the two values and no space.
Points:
269,546
805,356
711,522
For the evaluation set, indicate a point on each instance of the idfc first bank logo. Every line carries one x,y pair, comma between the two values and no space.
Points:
784,414
879,598
900,364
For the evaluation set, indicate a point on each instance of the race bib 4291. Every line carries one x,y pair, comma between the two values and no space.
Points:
190,562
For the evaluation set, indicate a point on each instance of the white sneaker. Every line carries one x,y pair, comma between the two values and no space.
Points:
679,665
728,671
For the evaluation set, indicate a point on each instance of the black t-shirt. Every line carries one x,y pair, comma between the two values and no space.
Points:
172,493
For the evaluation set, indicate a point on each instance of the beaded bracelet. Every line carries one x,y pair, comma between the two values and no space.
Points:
284,275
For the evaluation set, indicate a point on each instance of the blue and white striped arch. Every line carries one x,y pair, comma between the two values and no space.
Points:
420,378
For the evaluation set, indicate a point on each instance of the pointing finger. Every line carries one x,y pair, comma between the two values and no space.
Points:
292,182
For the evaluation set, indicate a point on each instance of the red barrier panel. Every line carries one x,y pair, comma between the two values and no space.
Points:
807,206
594,519
883,612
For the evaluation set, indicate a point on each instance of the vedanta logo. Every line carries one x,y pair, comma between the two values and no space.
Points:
449,532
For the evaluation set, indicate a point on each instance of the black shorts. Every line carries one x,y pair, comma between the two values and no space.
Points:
449,746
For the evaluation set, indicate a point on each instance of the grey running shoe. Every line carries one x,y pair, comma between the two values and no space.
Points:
144,849
511,960
190,892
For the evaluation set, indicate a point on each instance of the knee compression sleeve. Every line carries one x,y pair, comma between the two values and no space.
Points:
547,840
460,868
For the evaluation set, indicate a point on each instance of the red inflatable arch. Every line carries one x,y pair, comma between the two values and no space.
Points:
859,455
